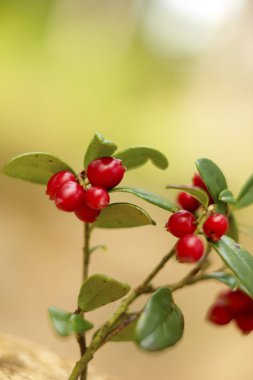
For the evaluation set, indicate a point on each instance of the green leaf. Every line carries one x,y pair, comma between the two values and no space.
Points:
161,324
123,215
226,278
232,228
214,180
35,167
226,196
196,192
152,198
66,323
99,290
245,197
96,247
238,260
139,155
98,147
126,325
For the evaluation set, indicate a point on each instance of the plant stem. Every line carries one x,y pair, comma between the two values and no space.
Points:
102,333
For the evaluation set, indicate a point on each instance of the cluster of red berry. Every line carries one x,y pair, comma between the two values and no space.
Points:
88,195
233,305
183,224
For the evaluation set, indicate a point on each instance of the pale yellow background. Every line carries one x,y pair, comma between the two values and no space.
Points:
69,69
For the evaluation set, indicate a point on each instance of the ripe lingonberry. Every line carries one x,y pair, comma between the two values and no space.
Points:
189,249
181,223
57,180
244,320
106,172
238,300
187,201
215,226
69,196
220,314
97,198
86,214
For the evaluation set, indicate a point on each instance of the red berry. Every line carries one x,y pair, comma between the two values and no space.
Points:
189,249
215,226
181,223
244,320
220,314
105,172
86,214
69,196
238,300
97,198
57,180
187,201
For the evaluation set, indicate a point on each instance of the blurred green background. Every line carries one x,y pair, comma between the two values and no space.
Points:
175,75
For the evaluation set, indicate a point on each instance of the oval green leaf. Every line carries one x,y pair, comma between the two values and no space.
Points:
226,196
196,192
233,228
245,197
98,147
123,215
139,155
238,260
161,324
152,198
214,180
99,290
66,323
35,167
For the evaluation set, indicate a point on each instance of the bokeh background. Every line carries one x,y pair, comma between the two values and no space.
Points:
173,74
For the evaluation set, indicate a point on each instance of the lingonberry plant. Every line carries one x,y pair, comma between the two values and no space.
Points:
202,219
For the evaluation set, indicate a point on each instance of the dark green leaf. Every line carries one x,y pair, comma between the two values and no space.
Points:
35,167
98,147
123,215
99,290
161,324
233,228
226,196
139,155
155,199
126,325
196,192
66,323
245,197
238,260
214,180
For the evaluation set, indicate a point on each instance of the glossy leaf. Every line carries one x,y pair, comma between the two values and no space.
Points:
226,196
99,147
139,155
245,197
35,167
152,198
161,324
196,192
238,260
99,290
214,180
232,228
66,323
123,215
126,325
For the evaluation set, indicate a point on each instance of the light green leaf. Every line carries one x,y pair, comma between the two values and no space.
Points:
99,147
123,215
66,323
161,324
139,155
245,197
35,167
226,196
214,180
152,198
196,192
238,260
99,290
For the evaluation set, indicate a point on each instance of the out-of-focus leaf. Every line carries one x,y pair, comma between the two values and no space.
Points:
139,155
